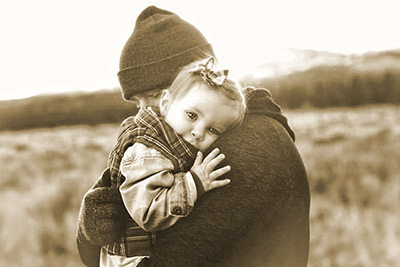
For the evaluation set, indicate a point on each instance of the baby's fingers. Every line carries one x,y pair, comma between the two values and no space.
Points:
211,155
219,183
199,158
214,162
217,173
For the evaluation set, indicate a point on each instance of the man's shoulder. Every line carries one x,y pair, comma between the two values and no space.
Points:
263,150
256,133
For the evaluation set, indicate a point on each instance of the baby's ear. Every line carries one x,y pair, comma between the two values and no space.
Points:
165,100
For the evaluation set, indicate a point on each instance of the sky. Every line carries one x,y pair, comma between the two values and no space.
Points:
54,46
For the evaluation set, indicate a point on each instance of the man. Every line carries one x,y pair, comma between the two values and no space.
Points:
260,219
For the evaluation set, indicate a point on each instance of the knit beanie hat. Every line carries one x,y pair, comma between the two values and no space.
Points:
160,45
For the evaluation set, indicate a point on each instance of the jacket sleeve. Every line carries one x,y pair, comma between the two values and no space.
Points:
154,196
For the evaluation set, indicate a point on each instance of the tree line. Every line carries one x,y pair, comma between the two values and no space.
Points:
319,88
64,109
348,89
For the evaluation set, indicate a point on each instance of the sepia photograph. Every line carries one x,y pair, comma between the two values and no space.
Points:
200,133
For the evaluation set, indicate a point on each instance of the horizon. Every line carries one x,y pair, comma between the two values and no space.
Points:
269,71
53,47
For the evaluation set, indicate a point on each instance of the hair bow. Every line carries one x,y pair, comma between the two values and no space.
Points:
209,74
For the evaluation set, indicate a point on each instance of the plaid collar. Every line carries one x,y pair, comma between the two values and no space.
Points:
148,128
161,134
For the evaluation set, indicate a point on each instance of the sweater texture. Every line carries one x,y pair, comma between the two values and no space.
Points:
262,217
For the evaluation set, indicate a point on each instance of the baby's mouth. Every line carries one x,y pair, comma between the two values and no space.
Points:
194,144
191,141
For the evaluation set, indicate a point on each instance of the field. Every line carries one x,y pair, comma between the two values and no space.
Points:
352,158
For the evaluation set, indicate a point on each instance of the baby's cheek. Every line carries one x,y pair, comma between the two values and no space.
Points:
211,140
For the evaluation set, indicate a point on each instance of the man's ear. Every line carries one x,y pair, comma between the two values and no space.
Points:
165,101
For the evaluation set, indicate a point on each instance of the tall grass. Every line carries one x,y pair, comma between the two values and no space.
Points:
352,157
47,172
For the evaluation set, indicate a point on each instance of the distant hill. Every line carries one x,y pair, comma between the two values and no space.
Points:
325,79
313,79
303,60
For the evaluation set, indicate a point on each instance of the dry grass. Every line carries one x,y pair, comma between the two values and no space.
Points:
46,174
352,158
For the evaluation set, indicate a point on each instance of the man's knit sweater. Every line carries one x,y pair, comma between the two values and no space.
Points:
262,217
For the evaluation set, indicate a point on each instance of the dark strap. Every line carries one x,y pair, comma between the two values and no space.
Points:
198,183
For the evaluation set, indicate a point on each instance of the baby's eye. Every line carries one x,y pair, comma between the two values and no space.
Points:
214,131
191,115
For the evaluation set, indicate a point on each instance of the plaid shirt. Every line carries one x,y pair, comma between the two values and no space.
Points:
147,128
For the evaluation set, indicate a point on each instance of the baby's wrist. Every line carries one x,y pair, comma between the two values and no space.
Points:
198,183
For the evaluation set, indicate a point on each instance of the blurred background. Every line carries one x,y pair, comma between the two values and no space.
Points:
333,66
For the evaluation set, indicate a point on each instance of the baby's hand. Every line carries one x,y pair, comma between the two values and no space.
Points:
204,169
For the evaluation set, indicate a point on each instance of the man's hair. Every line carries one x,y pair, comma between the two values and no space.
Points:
187,79
151,98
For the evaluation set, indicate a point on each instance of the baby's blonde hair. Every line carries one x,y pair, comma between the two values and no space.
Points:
187,78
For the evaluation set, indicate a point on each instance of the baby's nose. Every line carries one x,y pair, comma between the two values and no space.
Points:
197,134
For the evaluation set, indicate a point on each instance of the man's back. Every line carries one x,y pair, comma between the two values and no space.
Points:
278,232
260,219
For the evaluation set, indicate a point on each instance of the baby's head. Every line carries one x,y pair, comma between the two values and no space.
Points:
202,103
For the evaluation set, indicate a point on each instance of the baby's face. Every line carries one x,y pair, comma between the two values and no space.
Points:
200,116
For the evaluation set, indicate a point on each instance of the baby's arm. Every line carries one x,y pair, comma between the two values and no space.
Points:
155,197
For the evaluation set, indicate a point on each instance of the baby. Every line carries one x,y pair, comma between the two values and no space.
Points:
161,181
